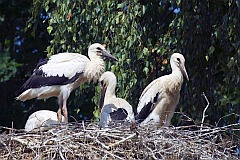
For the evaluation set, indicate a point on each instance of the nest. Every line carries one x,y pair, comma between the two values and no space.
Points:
87,141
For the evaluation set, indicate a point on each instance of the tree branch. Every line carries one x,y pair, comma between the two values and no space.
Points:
205,109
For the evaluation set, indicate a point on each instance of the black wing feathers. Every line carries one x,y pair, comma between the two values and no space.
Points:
147,109
39,79
119,114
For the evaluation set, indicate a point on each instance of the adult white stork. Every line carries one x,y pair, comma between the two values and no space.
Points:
60,74
41,119
112,108
160,98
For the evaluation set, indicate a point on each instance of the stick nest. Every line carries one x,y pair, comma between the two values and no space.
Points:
88,141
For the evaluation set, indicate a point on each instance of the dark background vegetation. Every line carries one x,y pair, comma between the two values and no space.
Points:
142,35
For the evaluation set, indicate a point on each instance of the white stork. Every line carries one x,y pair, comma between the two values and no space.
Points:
41,119
112,108
62,73
160,98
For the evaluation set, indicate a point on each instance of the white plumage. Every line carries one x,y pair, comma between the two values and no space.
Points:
159,99
65,64
62,73
112,108
41,120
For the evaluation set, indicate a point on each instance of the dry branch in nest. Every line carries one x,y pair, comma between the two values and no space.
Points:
88,141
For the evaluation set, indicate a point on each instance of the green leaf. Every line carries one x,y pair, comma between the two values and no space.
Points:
117,20
121,5
49,29
48,49
144,8
145,51
74,39
33,34
211,50
139,55
206,57
46,6
146,70
69,29
96,112
78,110
128,61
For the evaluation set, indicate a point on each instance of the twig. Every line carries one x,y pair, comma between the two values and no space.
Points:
118,142
205,109
153,156
226,116
73,118
23,141
231,125
60,153
108,153
83,125
4,144
11,129
97,141
184,115
88,141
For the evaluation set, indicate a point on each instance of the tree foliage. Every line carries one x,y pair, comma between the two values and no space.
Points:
19,52
143,35
8,67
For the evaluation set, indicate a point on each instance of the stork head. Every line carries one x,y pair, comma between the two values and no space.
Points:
178,61
97,49
108,83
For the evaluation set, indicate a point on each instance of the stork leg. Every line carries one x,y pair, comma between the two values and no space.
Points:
59,115
163,118
59,112
168,118
64,110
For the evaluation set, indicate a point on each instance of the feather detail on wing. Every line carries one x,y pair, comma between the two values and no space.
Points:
66,57
149,93
56,72
67,64
150,96
67,69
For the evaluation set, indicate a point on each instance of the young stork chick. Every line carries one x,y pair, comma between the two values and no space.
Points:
112,108
41,119
62,73
160,98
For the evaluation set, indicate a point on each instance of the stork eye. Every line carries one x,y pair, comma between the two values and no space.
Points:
178,59
102,83
98,48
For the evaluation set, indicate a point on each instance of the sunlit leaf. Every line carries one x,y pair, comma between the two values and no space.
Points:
49,29
146,70
144,8
206,57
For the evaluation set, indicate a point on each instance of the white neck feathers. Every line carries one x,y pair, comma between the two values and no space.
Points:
95,69
110,92
175,82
